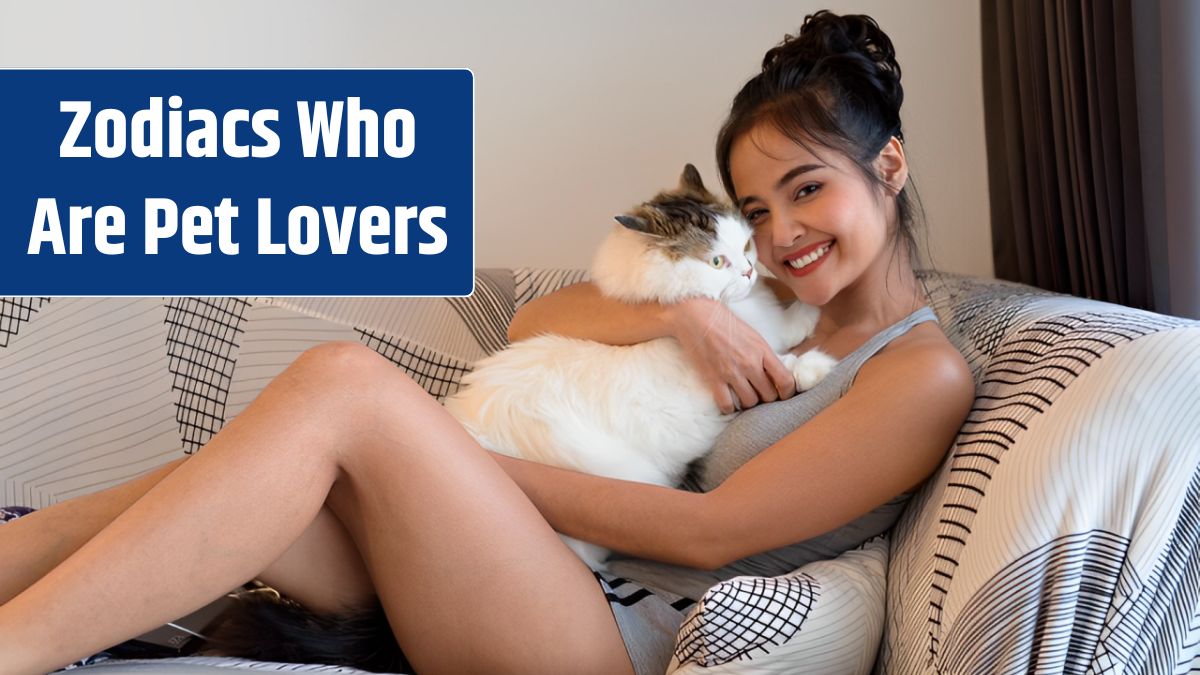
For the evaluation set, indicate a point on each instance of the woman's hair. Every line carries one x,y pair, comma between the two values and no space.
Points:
835,84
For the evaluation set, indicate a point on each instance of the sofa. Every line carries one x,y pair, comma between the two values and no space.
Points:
1060,534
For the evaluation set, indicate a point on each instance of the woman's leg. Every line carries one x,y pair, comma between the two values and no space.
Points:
470,574
36,543
322,570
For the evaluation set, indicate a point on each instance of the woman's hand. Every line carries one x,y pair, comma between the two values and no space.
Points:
739,366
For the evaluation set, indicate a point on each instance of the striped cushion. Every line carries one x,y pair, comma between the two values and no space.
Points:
1061,532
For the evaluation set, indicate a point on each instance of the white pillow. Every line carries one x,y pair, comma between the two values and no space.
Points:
826,617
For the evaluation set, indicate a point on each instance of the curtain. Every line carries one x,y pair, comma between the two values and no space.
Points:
1063,148
1169,52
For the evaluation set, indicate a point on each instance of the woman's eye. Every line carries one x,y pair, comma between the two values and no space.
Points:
806,190
754,216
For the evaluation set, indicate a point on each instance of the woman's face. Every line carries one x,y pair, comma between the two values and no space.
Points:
818,225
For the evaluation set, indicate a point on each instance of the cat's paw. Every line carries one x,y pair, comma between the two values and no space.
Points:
809,368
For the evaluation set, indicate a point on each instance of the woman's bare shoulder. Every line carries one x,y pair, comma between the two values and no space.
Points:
922,362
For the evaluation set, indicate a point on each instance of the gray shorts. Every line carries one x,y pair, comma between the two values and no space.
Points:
647,620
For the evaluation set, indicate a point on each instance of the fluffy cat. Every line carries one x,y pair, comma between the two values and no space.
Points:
637,412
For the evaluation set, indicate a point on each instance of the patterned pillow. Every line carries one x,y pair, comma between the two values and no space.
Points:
1062,533
825,618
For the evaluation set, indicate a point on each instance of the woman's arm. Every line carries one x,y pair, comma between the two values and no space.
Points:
646,520
580,311
729,355
880,439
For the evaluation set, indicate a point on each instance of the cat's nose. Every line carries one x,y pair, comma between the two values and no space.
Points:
748,273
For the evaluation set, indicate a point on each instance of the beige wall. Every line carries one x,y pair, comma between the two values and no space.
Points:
582,108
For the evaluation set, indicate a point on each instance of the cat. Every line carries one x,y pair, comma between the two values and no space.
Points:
638,412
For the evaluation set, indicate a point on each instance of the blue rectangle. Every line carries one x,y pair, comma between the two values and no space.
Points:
410,247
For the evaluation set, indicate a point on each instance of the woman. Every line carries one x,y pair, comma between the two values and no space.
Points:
344,481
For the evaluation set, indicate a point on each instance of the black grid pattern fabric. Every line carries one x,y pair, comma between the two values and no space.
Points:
742,617
202,344
437,373
15,311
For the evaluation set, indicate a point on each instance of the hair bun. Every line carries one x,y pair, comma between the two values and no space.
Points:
851,48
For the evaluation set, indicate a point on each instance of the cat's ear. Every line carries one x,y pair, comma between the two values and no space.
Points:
690,180
635,223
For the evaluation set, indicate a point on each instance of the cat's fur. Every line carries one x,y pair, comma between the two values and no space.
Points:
637,412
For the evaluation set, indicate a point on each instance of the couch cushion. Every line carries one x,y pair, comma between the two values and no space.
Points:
826,618
1060,532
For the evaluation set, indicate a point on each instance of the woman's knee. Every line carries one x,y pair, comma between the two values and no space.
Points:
359,391
343,357
348,370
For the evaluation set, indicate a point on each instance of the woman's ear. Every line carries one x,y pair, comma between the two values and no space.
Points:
892,166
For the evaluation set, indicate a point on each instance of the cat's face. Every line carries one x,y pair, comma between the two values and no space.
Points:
726,270
707,243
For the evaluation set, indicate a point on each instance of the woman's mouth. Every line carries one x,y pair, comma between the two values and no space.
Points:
806,264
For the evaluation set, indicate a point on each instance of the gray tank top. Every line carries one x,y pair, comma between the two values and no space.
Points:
750,433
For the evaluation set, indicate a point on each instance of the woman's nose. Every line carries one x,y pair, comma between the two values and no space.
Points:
786,231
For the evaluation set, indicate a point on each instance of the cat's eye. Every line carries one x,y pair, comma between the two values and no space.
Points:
748,245
719,261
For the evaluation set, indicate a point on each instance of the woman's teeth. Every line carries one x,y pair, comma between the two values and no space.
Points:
801,263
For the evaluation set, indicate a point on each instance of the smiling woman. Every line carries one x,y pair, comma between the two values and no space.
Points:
815,211
812,155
